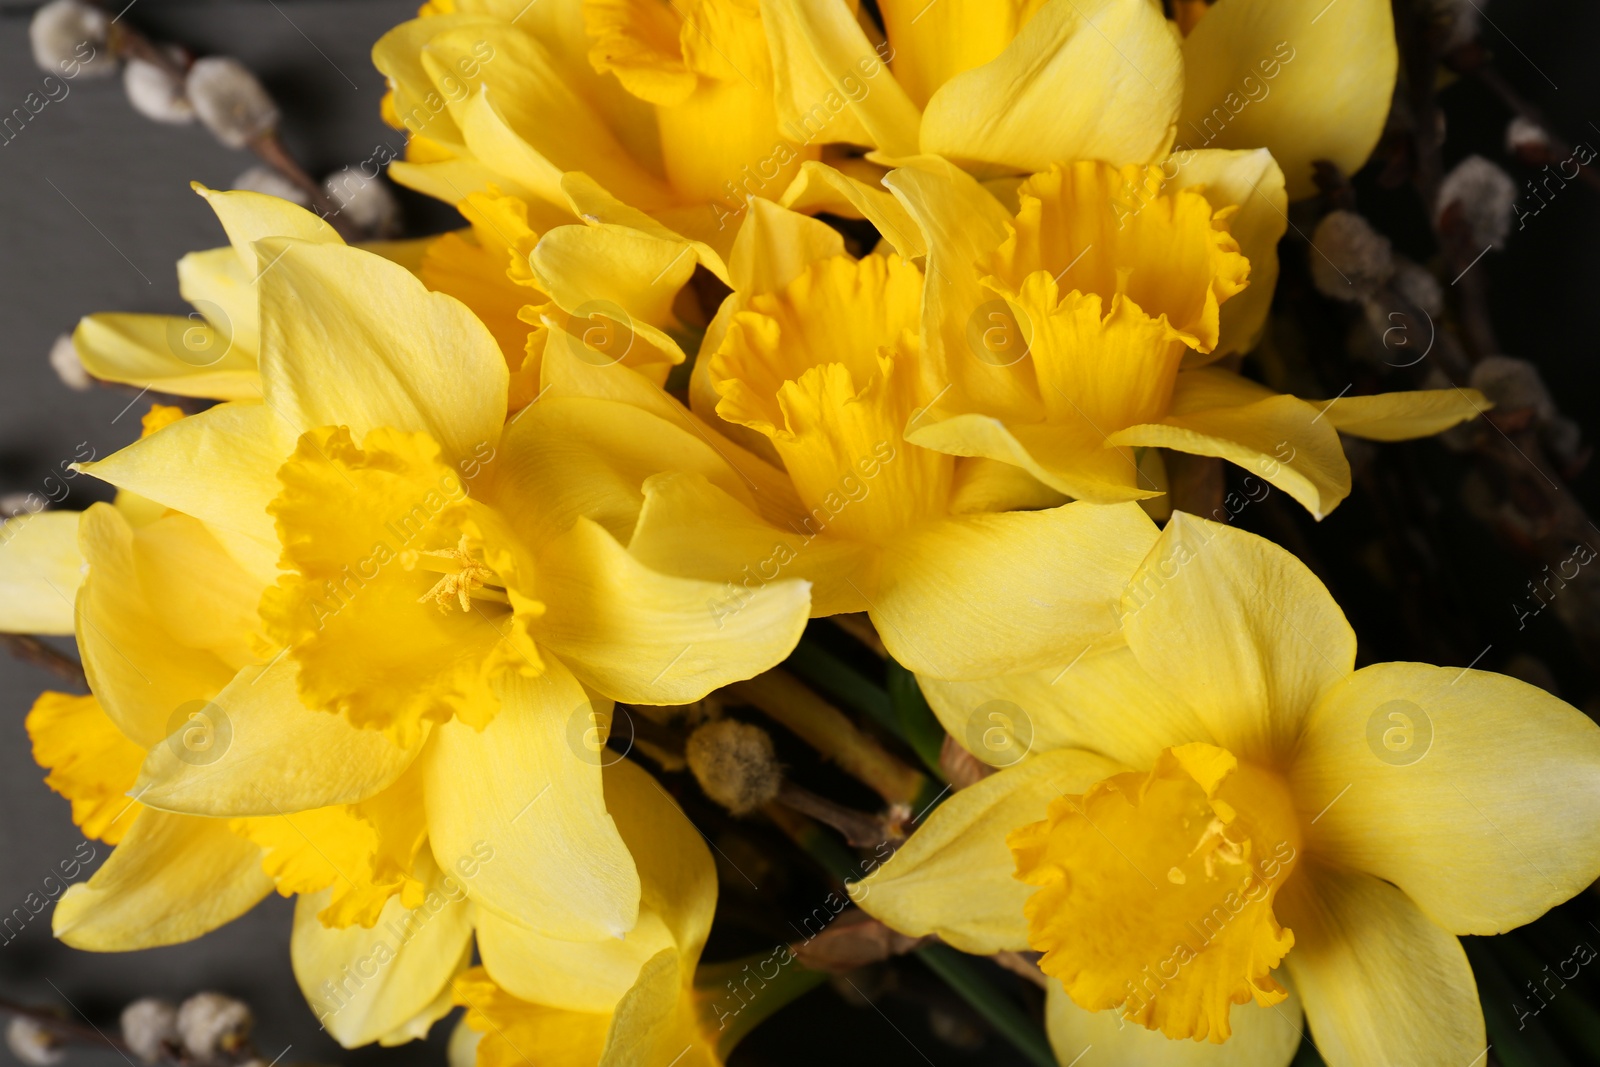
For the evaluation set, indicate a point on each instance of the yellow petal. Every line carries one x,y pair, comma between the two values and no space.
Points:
1251,180
566,458
1358,941
220,466
989,485
638,635
351,339
1262,1037
656,1021
934,44
364,983
260,751
173,878
961,224
824,45
1280,438
617,284
1498,781
1240,630
552,859
179,356
776,245
1307,81
90,762
638,42
1098,700
206,600
223,290
41,569
1402,416
509,1025
587,976
520,113
417,104
250,217
1071,457
679,894
820,187
954,876
981,595
142,676
690,528
1099,80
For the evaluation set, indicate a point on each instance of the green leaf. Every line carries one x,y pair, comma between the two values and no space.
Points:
918,725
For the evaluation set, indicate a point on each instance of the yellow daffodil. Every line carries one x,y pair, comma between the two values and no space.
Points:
1222,823
602,108
1067,332
822,374
1015,86
397,612
622,1002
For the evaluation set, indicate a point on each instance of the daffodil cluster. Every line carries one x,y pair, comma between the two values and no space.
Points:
769,311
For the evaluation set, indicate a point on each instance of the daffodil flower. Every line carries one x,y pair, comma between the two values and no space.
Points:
1072,333
610,109
400,609
962,564
1015,86
1222,824
621,1002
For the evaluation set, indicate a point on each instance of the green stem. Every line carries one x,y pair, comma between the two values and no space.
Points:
721,990
1516,1044
833,676
961,974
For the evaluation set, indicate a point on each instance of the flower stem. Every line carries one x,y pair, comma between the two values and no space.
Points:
725,1013
824,727
961,974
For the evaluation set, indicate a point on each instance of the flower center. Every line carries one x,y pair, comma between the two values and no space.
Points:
827,370
1156,890
1113,278
464,577
364,531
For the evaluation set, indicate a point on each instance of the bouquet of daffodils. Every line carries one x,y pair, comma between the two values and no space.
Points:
820,392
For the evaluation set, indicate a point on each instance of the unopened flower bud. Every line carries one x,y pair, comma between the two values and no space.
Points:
366,202
32,1042
1483,193
230,100
210,1024
68,367
1527,140
735,764
148,1025
69,39
156,92
1418,285
1349,259
261,179
1513,384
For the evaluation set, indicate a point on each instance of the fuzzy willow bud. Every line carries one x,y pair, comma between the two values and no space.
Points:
735,765
230,100
69,38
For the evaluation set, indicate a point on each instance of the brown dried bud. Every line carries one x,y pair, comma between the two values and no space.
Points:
735,764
